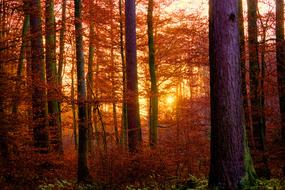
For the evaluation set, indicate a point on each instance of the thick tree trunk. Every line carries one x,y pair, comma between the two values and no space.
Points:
134,130
153,115
280,56
52,78
258,120
82,171
40,130
227,141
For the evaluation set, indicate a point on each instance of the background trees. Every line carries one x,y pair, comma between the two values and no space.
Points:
179,32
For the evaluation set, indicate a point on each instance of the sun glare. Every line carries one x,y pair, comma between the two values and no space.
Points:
170,100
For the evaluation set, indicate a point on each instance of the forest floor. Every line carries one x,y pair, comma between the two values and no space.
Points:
166,167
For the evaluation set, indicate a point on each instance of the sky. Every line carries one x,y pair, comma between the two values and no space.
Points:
192,5
189,5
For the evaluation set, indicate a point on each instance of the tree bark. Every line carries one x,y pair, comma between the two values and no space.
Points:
124,109
227,147
90,75
113,71
249,167
153,115
40,130
52,78
257,109
134,130
25,29
280,56
82,171
61,41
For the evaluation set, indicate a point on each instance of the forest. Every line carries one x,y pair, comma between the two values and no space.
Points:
142,94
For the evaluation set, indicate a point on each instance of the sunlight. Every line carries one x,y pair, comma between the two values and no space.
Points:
170,100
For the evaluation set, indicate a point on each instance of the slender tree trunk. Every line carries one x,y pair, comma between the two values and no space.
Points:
154,92
244,73
124,109
61,41
113,71
280,56
40,129
61,54
52,78
90,75
249,167
4,148
25,29
227,135
74,123
82,171
258,121
134,130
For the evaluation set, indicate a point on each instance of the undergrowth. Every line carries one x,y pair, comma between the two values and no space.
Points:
192,183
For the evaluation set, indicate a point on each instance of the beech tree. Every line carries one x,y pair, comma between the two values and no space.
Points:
40,129
280,60
153,109
257,107
52,78
227,167
82,171
134,130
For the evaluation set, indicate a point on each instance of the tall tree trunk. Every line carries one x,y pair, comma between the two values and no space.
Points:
61,53
82,171
74,122
280,61
4,149
244,74
40,129
249,168
124,109
134,130
26,26
61,41
153,115
227,135
258,120
113,71
90,75
52,78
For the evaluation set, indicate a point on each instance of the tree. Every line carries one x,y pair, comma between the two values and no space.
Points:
40,130
52,78
227,136
134,133
25,29
90,73
244,71
124,109
61,41
257,109
249,168
153,115
82,171
280,60
113,72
